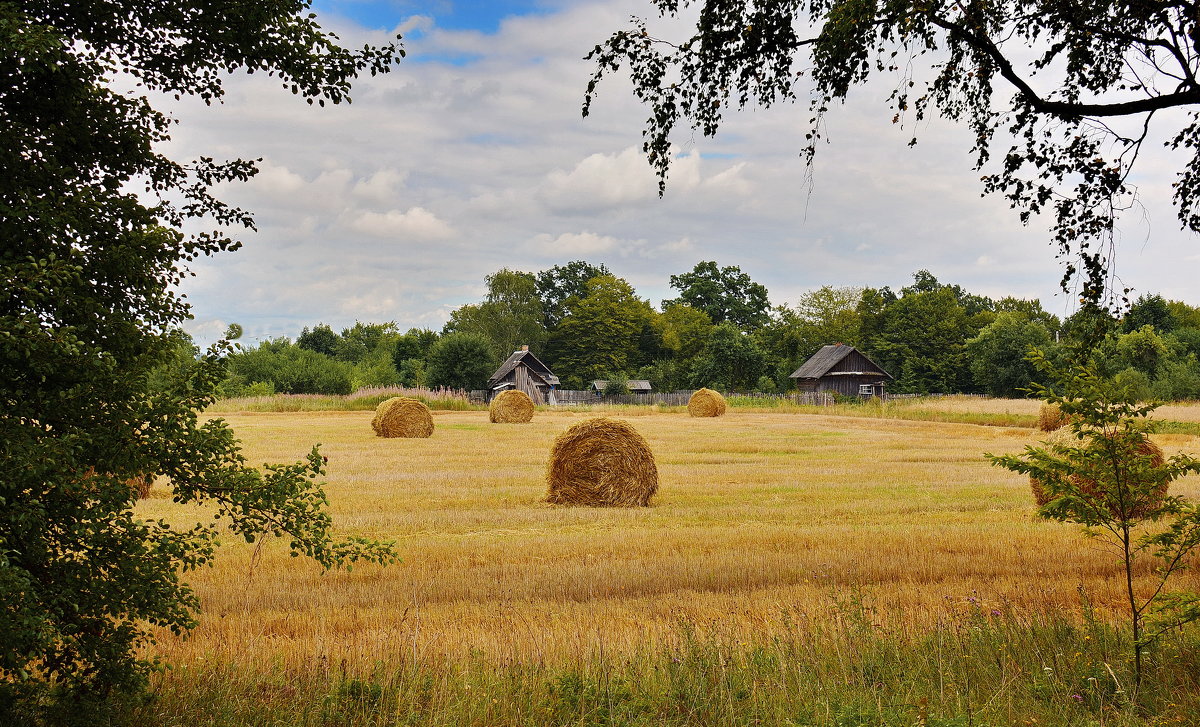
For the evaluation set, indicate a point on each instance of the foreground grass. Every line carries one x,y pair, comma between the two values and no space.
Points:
827,570
981,667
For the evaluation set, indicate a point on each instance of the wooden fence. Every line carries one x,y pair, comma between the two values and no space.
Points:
569,397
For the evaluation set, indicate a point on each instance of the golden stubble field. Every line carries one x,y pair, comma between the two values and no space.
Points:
764,523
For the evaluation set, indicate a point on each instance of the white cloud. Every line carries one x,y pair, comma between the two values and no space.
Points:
416,223
440,173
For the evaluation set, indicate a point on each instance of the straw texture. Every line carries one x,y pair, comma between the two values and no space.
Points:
1051,418
401,416
601,462
706,403
1089,487
511,407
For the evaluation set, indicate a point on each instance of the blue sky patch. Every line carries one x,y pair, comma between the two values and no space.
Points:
481,15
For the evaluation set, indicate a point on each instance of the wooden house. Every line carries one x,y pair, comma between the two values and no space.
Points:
635,386
841,369
525,372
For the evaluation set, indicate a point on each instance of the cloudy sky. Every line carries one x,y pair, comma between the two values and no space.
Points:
472,155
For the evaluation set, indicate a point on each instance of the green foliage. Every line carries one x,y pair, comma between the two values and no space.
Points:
920,336
600,332
731,361
559,284
321,339
998,355
1142,349
1072,141
290,369
89,277
1107,480
685,330
510,315
461,361
365,339
616,385
1149,310
725,294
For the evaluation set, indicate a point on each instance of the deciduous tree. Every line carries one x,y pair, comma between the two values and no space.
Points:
88,303
725,294
1059,96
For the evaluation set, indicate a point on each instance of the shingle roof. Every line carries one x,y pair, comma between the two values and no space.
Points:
531,361
828,357
632,385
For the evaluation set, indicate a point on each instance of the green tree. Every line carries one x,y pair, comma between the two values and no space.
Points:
461,361
321,339
920,336
560,283
1149,310
731,361
1074,111
600,332
999,355
725,294
89,270
365,339
1109,480
685,331
509,316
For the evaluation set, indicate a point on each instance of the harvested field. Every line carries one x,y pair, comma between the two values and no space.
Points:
760,519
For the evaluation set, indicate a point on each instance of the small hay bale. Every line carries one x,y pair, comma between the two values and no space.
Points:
601,462
511,407
1089,487
1051,418
706,403
141,485
401,416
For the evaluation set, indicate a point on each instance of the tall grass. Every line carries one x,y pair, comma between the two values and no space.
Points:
982,666
364,399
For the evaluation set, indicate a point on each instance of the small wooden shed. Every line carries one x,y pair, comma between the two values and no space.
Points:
841,369
635,386
524,371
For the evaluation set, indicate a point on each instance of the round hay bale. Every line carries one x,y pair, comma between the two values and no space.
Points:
706,403
1090,488
1051,418
511,407
601,462
401,416
1061,437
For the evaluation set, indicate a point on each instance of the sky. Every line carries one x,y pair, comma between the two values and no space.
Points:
472,156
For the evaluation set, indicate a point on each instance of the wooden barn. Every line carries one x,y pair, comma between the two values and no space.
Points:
841,369
526,372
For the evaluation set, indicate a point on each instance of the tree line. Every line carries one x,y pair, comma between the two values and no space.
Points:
721,331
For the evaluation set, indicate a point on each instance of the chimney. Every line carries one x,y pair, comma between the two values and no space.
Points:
524,348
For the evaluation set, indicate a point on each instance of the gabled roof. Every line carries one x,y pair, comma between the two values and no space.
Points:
632,385
530,361
828,357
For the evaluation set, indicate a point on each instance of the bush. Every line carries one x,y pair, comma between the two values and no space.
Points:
461,361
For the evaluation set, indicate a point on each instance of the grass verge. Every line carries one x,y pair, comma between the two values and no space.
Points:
984,668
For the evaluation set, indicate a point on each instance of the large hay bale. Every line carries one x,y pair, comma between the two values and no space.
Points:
511,407
1089,487
1060,437
601,462
1051,418
706,403
401,416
